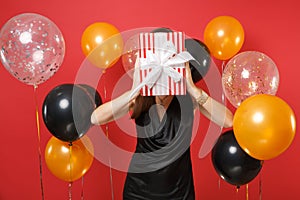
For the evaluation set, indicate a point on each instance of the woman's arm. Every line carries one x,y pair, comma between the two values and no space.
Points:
117,107
208,106
112,110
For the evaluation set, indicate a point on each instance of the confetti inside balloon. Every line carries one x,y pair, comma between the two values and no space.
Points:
32,48
249,73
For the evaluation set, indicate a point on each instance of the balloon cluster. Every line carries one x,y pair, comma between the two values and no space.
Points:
66,113
33,48
264,125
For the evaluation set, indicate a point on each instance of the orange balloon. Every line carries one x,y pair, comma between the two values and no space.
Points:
264,126
224,37
69,162
102,43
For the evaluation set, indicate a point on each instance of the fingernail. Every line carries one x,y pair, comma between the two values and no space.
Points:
93,119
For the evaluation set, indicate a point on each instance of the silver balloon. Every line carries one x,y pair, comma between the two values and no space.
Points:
247,74
32,48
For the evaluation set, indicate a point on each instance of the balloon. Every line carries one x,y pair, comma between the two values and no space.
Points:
224,36
92,93
67,110
130,54
69,161
32,48
199,66
162,30
264,126
233,164
102,43
249,73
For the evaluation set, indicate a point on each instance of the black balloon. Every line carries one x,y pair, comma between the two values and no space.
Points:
93,94
233,164
67,110
201,64
161,29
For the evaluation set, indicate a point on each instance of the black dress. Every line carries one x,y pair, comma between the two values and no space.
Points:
161,166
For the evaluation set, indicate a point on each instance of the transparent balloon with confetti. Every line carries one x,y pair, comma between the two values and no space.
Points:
247,74
32,48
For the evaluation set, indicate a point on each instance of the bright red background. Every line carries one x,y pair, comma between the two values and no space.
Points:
271,27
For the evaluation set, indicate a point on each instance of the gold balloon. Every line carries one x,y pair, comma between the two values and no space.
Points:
102,43
224,37
69,162
264,126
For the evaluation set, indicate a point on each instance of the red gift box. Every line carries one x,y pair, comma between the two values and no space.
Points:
159,57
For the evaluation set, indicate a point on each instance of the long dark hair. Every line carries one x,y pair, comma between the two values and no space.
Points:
142,104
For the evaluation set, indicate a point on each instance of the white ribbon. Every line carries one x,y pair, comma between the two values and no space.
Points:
162,62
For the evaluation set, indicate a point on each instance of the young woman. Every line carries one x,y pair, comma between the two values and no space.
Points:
161,166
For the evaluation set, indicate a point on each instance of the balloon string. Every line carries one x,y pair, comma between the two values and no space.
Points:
70,160
223,95
260,187
70,190
70,172
111,181
237,192
82,183
247,192
39,139
104,84
107,135
219,183
110,168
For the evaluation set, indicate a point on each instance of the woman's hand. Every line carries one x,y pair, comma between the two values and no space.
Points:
189,81
136,80
192,89
208,106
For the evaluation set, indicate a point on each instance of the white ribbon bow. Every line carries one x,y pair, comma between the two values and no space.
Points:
161,63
